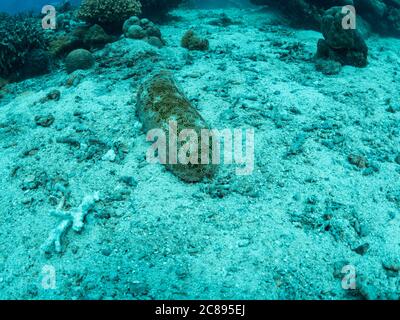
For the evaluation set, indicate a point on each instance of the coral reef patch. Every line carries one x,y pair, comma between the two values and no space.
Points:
110,14
19,35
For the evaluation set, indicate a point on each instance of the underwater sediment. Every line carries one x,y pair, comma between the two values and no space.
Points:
80,197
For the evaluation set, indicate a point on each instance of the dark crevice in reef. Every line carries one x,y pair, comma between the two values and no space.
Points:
382,15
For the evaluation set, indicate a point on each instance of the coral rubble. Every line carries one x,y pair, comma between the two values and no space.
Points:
383,15
143,29
72,219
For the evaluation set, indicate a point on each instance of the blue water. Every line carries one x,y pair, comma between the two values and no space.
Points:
16,6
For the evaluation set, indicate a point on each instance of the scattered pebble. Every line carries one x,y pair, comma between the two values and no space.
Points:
358,161
109,156
44,120
362,249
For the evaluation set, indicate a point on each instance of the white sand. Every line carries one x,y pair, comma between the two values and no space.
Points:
279,233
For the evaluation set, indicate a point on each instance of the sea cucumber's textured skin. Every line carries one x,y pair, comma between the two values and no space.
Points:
72,219
160,100
79,59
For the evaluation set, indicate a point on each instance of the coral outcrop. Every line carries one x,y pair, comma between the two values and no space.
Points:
109,14
37,62
93,37
192,41
79,59
160,101
304,13
19,36
143,29
342,45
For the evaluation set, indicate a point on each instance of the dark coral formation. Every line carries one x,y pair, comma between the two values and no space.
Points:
342,45
383,15
19,36
192,41
37,63
143,29
93,37
110,14
87,37
304,13
79,59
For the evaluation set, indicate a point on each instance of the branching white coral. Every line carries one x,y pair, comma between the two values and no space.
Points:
74,218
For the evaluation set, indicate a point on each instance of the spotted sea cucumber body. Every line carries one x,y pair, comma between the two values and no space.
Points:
160,101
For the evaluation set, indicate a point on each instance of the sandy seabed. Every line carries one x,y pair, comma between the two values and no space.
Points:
324,194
